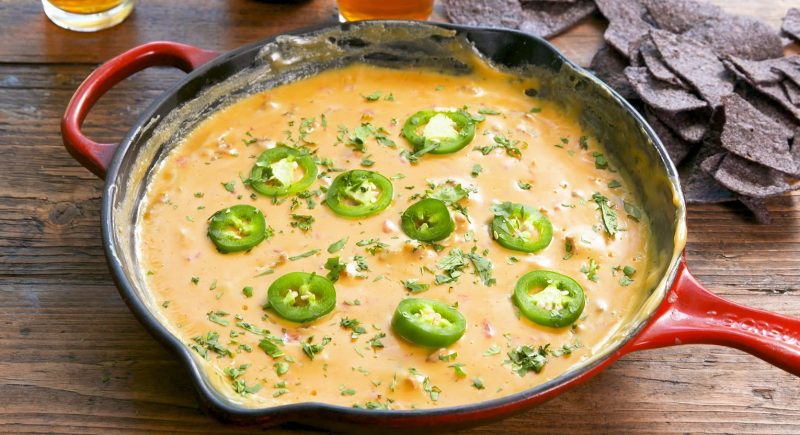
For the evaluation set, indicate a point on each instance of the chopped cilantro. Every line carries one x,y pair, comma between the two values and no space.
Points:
304,255
477,383
608,215
239,384
488,111
523,185
230,186
281,367
492,350
459,368
270,346
303,222
613,184
337,245
375,96
451,266
525,359
375,342
483,267
476,170
569,248
217,317
354,325
600,161
248,291
195,280
590,270
311,349
334,267
415,287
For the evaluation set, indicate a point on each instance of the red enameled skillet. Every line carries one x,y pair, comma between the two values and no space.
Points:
679,310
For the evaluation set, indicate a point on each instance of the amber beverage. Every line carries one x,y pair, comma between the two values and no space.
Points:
87,15
85,6
353,10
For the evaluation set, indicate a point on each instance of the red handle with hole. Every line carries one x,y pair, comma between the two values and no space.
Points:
693,315
97,156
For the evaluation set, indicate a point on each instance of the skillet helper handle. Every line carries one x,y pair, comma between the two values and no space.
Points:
97,156
694,315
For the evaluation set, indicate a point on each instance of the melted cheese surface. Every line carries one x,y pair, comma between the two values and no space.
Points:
558,173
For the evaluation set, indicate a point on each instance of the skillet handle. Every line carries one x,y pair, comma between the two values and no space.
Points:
97,156
693,315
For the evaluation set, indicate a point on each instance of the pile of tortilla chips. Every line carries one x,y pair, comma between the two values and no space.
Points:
715,87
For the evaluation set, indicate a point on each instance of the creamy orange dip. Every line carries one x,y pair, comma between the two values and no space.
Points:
200,290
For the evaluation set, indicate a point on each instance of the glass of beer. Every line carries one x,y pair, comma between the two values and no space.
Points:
353,10
87,15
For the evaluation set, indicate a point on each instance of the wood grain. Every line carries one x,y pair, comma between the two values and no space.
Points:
74,359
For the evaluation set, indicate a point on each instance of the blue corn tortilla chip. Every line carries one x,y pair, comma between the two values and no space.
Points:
698,185
656,66
791,23
609,66
691,126
627,23
758,207
737,35
487,13
678,16
745,177
547,18
676,147
696,64
661,95
750,134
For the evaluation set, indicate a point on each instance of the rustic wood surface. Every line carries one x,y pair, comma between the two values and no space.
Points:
74,359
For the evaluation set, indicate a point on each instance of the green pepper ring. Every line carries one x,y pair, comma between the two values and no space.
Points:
415,330
237,228
321,288
335,192
569,312
427,220
508,240
464,123
273,155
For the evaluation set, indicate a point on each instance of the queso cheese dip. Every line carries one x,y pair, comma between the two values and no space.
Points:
517,239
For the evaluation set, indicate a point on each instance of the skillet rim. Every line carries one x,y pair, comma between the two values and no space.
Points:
298,412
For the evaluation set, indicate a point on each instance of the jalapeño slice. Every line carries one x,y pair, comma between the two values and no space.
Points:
427,322
276,172
559,301
444,132
521,227
301,297
237,228
427,220
359,193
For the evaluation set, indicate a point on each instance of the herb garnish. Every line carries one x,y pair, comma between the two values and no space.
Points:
476,170
312,349
301,221
304,255
336,246
209,342
608,215
415,287
334,267
354,325
525,359
590,270
238,383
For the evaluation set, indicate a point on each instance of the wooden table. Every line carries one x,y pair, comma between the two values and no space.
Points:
74,359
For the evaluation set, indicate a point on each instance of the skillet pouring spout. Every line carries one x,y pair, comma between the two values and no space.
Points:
691,314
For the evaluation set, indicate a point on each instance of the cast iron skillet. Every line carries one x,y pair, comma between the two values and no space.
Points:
679,311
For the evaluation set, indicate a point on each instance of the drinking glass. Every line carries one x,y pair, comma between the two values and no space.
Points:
87,15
